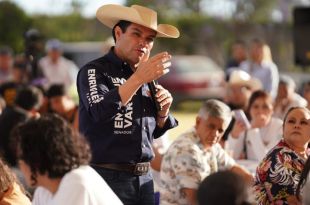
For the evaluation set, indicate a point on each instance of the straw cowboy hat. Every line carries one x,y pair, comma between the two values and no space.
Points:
111,14
241,77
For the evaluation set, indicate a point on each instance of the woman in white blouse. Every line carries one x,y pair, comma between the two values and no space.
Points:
265,131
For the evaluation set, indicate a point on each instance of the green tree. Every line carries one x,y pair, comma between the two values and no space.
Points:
72,27
77,5
14,22
171,7
257,11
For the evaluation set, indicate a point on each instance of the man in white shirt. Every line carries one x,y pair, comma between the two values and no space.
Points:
55,68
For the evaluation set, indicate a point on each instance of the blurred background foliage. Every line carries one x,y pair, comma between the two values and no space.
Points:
13,23
204,29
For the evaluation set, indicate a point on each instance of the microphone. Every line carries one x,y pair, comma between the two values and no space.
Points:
153,93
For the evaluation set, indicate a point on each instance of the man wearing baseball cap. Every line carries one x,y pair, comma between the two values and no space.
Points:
117,113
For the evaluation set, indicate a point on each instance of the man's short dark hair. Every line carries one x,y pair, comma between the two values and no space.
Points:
223,188
56,90
257,41
123,25
29,97
21,63
50,145
241,43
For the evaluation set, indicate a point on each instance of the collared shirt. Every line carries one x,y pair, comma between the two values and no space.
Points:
186,163
277,175
117,134
64,71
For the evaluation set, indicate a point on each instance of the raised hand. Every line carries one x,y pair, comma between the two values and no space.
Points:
238,128
153,68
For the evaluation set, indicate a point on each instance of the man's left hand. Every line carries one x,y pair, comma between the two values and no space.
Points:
165,99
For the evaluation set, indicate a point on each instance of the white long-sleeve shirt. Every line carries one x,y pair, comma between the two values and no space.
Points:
63,71
81,186
257,142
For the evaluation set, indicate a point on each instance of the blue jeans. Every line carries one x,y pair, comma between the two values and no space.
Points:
130,189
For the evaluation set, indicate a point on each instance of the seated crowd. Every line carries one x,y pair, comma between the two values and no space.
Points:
249,148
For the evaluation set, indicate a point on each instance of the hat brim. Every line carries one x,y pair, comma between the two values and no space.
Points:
253,83
111,14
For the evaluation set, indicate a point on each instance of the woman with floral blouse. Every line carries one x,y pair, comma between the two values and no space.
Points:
278,174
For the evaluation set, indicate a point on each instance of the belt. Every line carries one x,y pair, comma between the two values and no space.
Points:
138,169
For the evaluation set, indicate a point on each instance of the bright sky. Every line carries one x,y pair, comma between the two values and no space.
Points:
54,7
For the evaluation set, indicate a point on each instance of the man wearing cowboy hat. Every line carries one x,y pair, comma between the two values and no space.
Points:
239,89
117,114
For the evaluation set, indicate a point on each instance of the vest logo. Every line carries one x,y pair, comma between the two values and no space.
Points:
93,96
124,120
118,81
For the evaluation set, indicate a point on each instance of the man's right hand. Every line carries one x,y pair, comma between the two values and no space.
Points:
153,68
147,70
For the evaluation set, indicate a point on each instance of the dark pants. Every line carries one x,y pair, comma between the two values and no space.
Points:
131,189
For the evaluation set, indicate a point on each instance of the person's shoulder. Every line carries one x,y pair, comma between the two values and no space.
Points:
96,63
67,61
187,144
43,61
82,175
185,139
95,66
43,58
270,65
12,114
276,150
244,63
84,182
41,196
298,100
281,152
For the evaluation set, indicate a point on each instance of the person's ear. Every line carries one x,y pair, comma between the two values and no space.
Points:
118,32
198,120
